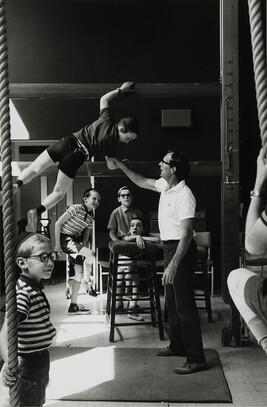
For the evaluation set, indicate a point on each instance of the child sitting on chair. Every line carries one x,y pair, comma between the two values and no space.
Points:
72,232
136,234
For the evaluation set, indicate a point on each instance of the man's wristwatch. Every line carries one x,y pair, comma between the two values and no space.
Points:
119,89
256,194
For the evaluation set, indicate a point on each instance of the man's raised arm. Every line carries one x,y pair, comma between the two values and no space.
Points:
138,179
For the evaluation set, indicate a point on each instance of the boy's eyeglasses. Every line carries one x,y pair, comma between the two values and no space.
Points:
44,257
125,195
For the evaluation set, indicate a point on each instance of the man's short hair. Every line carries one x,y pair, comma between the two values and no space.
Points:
179,160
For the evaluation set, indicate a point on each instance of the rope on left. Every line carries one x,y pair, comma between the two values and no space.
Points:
8,209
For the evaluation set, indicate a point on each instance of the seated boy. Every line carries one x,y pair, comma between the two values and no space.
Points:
136,234
35,259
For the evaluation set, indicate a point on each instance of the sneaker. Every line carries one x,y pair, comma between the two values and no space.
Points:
93,293
135,317
78,309
32,219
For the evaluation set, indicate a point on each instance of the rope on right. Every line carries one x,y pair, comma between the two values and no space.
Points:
259,64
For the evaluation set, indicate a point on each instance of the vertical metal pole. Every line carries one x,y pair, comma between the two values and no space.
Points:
8,209
230,158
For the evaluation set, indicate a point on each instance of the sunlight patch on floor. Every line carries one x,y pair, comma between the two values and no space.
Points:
65,372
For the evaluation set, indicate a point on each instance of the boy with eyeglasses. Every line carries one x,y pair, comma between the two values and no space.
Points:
119,226
35,260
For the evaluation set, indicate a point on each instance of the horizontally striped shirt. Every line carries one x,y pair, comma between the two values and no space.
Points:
79,220
35,330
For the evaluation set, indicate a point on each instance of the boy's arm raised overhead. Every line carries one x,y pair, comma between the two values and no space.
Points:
105,99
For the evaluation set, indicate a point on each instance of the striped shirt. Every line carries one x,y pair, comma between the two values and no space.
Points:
35,330
79,220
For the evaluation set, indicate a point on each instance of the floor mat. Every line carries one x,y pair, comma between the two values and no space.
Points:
132,374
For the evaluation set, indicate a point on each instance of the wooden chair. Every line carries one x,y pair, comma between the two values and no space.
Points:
102,261
204,269
145,268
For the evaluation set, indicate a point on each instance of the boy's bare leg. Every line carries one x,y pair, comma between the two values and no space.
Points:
60,189
40,164
74,308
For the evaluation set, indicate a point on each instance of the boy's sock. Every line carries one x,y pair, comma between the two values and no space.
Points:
40,209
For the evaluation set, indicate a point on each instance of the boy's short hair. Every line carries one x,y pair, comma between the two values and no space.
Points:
24,251
88,191
141,220
130,124
122,188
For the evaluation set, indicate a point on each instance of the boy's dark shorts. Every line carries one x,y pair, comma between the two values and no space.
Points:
34,377
68,154
72,245
255,296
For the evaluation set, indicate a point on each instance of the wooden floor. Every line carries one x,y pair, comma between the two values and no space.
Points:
245,368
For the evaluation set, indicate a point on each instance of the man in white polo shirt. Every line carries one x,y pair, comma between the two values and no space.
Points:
176,213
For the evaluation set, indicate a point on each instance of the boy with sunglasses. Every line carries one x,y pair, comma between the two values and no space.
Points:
35,260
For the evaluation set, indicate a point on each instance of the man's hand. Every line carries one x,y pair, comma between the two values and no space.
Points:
8,379
111,163
169,275
127,87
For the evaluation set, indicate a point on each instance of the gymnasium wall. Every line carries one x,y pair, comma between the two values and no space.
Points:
110,42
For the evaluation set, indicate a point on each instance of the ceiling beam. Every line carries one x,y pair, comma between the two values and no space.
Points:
146,168
96,90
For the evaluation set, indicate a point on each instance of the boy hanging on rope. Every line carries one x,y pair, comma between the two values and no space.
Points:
101,136
248,289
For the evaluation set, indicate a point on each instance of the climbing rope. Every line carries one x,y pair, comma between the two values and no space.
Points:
259,64
8,211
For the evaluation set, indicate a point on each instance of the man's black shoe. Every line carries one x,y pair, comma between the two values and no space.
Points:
169,352
189,368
